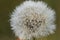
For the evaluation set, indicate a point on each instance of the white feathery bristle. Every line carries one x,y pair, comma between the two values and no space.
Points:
32,19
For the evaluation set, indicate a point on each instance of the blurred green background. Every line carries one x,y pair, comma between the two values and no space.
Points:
7,6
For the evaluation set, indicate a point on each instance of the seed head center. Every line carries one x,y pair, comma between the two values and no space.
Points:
32,23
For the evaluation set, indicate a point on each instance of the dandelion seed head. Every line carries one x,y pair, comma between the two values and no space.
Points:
33,19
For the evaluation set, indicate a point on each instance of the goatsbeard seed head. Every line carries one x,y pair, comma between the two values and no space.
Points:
33,19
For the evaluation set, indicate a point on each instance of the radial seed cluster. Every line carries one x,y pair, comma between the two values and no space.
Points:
32,19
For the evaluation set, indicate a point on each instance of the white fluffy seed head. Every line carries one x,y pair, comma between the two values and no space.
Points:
32,19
